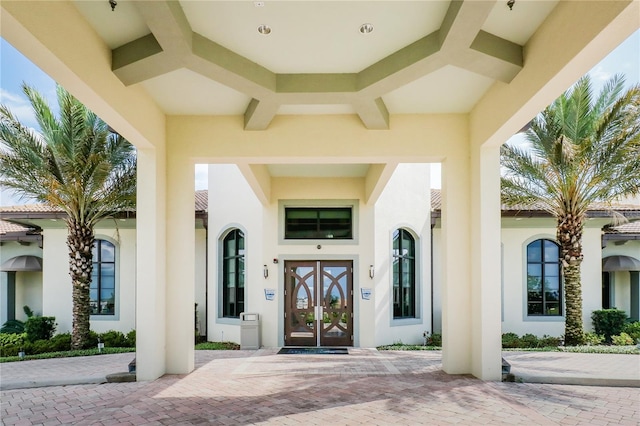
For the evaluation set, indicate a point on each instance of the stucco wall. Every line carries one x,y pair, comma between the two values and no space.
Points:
621,280
515,235
28,285
201,279
49,292
57,299
233,204
404,203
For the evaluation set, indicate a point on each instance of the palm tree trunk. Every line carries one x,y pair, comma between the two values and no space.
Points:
80,243
569,234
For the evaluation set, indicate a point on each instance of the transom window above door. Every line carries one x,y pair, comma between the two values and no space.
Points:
318,223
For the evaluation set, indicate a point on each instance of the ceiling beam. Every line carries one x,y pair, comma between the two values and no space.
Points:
141,60
459,42
259,114
168,24
376,180
373,113
259,179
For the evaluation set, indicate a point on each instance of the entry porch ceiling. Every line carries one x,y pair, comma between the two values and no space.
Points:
208,58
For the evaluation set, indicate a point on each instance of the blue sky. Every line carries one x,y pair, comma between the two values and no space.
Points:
15,68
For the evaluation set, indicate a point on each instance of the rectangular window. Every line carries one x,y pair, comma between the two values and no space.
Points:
318,223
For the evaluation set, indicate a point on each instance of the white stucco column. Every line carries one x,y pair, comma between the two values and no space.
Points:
150,271
485,281
471,327
180,261
456,265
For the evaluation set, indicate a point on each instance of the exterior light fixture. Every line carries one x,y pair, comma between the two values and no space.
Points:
265,272
510,3
372,271
367,28
113,4
264,29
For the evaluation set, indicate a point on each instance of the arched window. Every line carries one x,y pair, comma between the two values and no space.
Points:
233,274
102,293
544,292
404,275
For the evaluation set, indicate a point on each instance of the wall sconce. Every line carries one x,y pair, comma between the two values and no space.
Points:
372,272
265,272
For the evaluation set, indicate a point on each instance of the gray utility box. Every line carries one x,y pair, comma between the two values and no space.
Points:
249,331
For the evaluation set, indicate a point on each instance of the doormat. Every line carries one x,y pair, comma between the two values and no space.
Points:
313,351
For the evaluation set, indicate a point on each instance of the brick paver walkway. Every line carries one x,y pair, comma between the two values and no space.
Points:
365,387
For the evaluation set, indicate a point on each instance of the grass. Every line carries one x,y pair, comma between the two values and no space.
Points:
68,354
205,346
595,349
406,347
602,349
217,346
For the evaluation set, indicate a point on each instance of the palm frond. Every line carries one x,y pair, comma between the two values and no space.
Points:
75,164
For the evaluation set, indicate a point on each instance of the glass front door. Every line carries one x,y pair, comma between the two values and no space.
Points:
318,303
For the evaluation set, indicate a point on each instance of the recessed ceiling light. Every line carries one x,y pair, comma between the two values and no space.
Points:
366,28
264,29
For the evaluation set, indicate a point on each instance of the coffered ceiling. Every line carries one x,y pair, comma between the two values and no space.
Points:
208,57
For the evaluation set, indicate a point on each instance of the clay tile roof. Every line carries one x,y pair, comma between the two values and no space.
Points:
30,208
202,200
6,227
436,199
201,204
436,204
626,228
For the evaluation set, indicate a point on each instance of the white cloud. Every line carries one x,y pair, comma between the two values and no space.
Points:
600,73
202,176
10,198
19,107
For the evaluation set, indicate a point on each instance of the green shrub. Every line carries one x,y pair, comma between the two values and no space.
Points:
92,341
11,339
40,328
131,339
593,339
12,326
435,339
217,346
608,322
114,339
623,339
60,342
548,341
16,326
510,340
10,350
529,341
10,343
633,330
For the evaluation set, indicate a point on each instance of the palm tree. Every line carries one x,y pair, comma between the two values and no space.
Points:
583,149
75,164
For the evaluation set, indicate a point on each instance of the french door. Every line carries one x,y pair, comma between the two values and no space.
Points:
318,303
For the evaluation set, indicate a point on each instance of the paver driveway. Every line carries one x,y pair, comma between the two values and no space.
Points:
365,387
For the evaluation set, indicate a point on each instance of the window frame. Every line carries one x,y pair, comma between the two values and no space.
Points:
326,203
318,222
96,271
543,265
414,284
224,308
